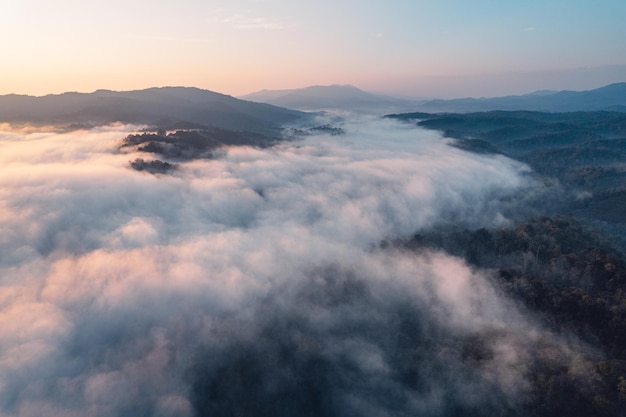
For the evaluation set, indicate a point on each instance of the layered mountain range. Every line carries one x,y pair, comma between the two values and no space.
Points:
364,268
178,107
349,98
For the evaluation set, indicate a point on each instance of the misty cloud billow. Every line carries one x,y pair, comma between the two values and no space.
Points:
252,284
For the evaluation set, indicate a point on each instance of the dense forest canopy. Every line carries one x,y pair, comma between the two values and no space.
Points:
568,268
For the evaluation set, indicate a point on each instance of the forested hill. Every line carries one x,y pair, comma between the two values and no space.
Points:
162,107
585,151
567,266
563,276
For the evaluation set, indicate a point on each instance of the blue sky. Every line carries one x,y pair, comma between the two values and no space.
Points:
419,48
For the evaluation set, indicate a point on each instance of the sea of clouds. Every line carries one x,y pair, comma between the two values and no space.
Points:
254,283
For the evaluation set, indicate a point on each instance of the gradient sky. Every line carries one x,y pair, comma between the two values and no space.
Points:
445,48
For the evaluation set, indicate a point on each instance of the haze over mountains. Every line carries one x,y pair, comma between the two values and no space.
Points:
164,107
611,98
250,283
350,98
333,97
350,265
266,111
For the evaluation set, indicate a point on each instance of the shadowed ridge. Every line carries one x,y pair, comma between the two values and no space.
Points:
150,106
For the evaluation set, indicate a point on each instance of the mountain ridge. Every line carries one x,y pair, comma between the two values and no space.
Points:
152,106
610,97
345,97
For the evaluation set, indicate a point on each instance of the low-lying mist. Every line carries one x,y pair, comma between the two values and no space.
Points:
255,283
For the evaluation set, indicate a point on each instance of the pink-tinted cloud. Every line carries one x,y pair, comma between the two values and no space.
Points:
124,290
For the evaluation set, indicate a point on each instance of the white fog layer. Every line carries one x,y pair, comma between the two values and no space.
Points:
253,283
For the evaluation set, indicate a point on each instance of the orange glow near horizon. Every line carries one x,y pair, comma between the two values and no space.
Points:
232,81
242,46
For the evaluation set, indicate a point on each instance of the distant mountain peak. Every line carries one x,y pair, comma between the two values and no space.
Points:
543,92
333,87
611,97
345,97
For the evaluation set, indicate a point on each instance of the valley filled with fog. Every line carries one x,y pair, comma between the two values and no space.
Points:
263,281
252,208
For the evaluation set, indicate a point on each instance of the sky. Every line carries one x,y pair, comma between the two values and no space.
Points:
417,48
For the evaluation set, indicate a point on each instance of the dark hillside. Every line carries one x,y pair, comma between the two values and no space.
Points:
570,272
155,106
576,285
609,98
585,151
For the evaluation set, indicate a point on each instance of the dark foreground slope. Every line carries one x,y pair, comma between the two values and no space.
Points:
573,284
566,268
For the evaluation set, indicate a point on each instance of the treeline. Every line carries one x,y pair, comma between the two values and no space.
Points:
152,166
585,151
192,144
576,285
